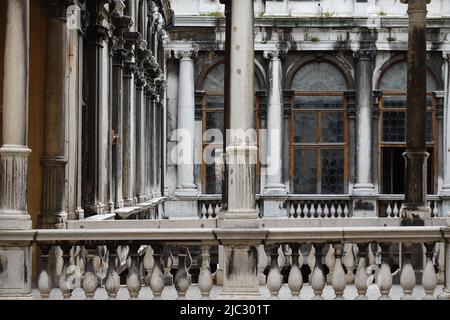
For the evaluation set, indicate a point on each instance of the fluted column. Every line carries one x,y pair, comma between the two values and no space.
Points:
14,152
15,257
415,209
54,193
186,124
275,117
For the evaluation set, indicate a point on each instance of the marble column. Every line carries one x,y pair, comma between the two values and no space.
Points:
274,187
142,55
14,152
364,189
241,257
415,210
15,256
121,23
128,155
445,191
186,125
54,192
96,191
275,113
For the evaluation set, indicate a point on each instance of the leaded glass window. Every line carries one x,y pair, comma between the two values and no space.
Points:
319,145
392,123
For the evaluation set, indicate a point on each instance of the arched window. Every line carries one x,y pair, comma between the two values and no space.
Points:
211,102
393,84
319,139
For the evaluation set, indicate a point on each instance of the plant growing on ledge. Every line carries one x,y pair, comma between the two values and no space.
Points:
314,39
382,13
327,14
216,14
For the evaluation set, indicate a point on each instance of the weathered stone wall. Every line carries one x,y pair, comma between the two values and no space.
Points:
2,49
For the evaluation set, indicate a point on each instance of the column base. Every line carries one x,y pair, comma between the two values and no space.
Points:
53,221
187,191
415,216
364,189
240,273
275,189
15,222
15,272
445,295
181,208
239,220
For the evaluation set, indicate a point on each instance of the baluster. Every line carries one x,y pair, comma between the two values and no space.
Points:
395,211
205,280
182,282
389,211
435,212
319,210
339,211
167,262
258,210
407,277
445,295
68,274
333,210
313,210
371,254
149,264
274,278
311,262
210,210
134,282
295,280
79,263
157,278
262,264
308,209
338,280
429,279
45,280
326,211
349,262
346,212
361,272
384,280
440,262
90,280
281,258
302,210
217,210
318,277
112,285
330,261
203,211
291,210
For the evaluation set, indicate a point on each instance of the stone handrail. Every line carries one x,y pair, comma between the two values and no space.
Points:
94,258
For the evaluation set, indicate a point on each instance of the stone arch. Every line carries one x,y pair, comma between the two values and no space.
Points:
340,64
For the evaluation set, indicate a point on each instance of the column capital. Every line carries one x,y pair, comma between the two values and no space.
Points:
274,54
58,8
415,4
186,54
365,54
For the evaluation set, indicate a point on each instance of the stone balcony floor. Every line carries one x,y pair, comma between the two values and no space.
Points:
170,293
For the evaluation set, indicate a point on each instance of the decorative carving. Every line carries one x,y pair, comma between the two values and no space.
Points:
58,8
365,54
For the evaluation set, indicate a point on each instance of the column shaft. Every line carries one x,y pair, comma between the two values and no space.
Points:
415,209
186,126
364,91
275,121
14,152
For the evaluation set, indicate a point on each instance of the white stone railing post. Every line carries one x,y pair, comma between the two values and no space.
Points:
445,295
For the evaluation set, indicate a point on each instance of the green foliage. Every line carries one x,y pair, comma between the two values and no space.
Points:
216,14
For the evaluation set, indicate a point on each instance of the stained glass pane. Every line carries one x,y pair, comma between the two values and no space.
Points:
332,171
394,102
332,127
305,127
316,102
214,120
319,76
214,102
214,174
394,126
305,171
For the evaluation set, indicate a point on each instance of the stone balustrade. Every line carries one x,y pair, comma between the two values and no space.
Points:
319,207
316,263
389,205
